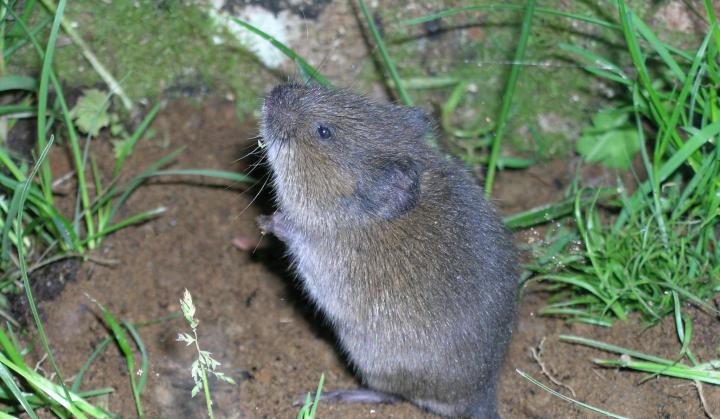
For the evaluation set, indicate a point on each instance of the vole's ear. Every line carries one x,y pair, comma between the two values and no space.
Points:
391,189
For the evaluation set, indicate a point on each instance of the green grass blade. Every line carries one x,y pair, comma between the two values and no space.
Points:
659,47
690,146
316,401
304,65
677,370
128,146
134,184
13,82
47,388
219,174
119,335
713,22
23,266
9,382
426,83
133,219
553,211
77,382
18,111
143,354
600,66
53,391
508,96
686,89
46,174
389,66
41,25
613,348
566,398
627,19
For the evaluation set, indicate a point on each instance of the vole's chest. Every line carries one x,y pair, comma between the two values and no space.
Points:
331,274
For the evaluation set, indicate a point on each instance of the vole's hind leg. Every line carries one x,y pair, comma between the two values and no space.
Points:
360,395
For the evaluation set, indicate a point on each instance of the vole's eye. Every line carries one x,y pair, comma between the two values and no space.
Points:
324,132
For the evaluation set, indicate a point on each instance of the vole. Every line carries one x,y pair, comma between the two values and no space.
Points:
395,244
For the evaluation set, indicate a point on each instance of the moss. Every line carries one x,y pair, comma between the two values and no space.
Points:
157,47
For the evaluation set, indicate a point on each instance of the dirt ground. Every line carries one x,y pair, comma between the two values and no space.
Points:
267,337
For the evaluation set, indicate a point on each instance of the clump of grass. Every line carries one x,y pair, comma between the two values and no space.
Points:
662,245
94,213
204,365
34,231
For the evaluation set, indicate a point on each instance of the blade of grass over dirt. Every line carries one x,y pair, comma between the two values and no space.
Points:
508,96
566,398
677,370
218,174
23,268
126,222
134,184
648,363
46,175
77,382
143,354
389,66
556,210
122,342
128,145
301,62
102,346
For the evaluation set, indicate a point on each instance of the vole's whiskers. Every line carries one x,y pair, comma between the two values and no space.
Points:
258,244
255,165
251,153
265,178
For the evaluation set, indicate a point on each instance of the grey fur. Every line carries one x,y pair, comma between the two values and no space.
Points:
395,244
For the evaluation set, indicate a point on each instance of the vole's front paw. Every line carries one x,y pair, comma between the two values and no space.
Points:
276,224
266,223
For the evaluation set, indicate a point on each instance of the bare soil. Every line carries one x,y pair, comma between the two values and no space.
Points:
255,321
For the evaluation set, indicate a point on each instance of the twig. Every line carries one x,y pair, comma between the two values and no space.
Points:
698,386
537,354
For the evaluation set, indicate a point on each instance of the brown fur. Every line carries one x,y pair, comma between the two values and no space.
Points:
395,244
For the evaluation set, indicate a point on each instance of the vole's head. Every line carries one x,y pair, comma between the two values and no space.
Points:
339,157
